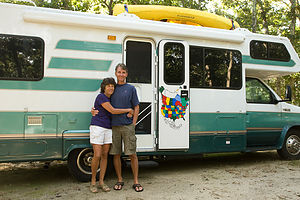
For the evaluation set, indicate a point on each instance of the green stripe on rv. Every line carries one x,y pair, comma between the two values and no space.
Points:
79,64
89,46
50,83
217,122
16,122
248,59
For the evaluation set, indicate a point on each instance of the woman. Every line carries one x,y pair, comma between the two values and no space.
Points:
101,133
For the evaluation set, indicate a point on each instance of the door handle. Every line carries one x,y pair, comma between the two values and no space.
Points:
184,93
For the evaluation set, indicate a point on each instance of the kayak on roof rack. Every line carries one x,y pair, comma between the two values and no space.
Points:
177,15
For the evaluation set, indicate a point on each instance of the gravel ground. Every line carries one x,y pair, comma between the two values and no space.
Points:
260,175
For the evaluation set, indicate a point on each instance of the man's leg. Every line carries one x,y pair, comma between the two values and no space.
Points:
134,168
135,172
130,149
118,167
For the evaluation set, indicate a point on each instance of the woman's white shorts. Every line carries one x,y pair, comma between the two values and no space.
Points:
100,135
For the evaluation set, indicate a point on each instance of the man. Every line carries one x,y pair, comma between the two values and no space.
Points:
123,127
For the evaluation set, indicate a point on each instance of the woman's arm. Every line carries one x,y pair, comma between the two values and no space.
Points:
113,110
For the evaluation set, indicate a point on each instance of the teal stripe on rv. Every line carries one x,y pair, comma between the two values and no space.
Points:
79,64
16,122
204,122
248,59
50,83
89,46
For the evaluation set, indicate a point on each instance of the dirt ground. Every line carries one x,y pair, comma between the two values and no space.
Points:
260,175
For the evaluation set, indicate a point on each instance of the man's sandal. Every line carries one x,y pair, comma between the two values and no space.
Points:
104,187
118,186
137,187
93,188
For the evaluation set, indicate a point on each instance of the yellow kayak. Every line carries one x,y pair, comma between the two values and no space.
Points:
177,15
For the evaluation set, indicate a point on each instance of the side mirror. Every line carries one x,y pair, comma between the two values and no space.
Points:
288,93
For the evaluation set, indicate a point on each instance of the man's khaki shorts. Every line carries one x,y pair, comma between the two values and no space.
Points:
127,134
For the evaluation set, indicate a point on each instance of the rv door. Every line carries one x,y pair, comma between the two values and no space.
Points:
174,102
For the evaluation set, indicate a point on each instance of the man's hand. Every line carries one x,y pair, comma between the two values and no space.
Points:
94,112
130,113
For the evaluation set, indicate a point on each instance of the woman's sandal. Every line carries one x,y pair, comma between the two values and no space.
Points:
93,188
104,187
137,187
118,186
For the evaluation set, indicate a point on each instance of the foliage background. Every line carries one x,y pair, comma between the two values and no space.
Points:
274,17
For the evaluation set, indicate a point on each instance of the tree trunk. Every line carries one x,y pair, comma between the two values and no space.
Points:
254,17
279,86
110,7
293,22
264,17
229,71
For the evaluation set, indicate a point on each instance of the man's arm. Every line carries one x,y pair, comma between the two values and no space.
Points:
135,114
94,112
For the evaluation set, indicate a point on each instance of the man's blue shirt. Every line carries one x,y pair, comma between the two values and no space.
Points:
124,96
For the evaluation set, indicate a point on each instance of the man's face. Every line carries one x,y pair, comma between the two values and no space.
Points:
121,75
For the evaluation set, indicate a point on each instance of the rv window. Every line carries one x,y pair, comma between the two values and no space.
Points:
278,51
257,92
139,61
269,51
259,50
215,68
21,58
174,63
196,67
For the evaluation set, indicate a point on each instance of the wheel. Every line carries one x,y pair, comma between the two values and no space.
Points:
291,146
80,161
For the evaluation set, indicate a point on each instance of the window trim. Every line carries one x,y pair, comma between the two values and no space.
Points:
183,56
214,87
144,40
42,58
268,52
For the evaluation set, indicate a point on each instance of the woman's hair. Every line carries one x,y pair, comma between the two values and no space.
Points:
105,82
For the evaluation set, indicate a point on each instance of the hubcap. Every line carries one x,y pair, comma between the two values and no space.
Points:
293,145
84,161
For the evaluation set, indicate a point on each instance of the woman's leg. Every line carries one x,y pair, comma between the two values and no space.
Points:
95,161
103,162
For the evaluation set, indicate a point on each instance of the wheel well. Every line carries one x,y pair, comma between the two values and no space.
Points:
294,128
72,151
77,149
286,131
73,147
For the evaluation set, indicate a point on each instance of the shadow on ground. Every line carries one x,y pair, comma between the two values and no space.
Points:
35,173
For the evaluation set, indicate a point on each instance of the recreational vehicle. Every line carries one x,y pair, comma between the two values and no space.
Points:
201,89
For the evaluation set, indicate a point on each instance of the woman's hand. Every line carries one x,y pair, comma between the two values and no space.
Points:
94,112
130,113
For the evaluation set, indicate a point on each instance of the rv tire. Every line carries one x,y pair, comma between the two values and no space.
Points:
291,147
79,164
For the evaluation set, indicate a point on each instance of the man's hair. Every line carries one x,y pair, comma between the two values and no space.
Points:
123,66
105,82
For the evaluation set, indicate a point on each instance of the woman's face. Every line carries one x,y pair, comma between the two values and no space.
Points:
109,89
